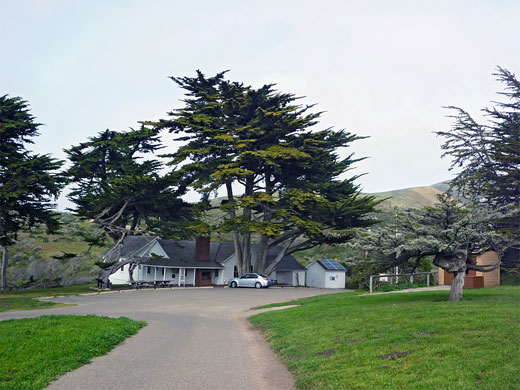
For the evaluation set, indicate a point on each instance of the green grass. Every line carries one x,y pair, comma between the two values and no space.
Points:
339,341
37,350
24,299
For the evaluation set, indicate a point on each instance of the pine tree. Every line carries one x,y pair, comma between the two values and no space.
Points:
28,182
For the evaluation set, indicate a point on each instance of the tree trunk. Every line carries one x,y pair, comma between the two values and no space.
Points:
131,268
456,263
261,259
246,252
457,285
135,220
236,239
246,234
3,285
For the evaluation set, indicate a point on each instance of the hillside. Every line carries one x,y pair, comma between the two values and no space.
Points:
415,197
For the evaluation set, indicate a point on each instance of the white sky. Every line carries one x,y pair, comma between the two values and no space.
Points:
378,68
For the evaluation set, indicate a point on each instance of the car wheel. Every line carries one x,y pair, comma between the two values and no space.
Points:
258,285
233,284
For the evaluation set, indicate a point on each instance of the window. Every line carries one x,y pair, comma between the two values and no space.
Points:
174,273
216,273
148,270
235,272
206,275
332,278
162,271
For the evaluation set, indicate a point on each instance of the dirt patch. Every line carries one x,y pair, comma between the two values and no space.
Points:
397,355
326,353
269,373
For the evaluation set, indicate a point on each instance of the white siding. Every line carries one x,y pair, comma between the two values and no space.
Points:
315,276
283,277
299,278
321,278
335,279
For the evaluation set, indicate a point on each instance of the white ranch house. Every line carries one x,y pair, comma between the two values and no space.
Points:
192,263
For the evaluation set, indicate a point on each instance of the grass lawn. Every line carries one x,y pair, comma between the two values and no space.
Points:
23,299
34,351
400,341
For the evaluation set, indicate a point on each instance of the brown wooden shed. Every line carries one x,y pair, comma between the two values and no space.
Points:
476,279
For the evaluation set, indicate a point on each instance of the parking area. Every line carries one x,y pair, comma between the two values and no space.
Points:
196,338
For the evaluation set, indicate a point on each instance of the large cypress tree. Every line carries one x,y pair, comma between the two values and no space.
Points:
122,191
281,177
28,182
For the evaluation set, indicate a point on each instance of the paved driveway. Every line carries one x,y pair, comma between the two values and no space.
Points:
196,338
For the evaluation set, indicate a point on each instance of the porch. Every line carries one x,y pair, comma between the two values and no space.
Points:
175,276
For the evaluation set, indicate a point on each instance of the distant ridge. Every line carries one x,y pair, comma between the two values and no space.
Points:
414,197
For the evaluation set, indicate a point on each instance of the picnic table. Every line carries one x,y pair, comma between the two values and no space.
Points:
151,283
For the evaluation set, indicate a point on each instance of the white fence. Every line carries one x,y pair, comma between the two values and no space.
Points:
401,275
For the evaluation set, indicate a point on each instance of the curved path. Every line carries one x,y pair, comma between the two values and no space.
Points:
196,338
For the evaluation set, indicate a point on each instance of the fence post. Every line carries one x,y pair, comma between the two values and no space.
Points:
370,284
428,280
411,280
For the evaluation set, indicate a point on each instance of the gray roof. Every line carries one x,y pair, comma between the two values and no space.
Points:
129,246
132,244
182,254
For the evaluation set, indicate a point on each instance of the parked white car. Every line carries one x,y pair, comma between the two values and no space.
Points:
251,280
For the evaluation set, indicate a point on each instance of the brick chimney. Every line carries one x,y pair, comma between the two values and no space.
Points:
202,248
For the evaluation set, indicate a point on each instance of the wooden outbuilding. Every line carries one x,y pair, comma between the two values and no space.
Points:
476,279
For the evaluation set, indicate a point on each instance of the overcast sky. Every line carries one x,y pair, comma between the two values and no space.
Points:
383,69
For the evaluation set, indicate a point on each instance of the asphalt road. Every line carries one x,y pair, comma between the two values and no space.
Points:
196,338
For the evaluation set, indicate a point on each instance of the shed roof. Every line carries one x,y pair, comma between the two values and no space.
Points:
331,265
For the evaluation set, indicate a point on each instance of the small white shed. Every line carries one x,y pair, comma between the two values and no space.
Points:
326,274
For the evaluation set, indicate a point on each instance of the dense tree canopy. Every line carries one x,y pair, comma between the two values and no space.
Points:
449,232
120,190
282,179
28,182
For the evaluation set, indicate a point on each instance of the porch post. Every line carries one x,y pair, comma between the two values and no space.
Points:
155,274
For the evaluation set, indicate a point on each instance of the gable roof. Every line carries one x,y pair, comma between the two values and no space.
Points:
182,253
127,248
132,244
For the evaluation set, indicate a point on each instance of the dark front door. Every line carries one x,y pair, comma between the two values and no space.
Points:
203,277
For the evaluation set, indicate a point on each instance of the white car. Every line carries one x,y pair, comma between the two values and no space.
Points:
250,280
